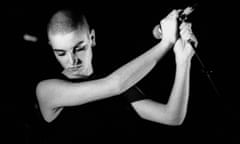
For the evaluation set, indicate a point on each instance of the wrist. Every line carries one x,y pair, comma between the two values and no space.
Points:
183,65
169,40
166,43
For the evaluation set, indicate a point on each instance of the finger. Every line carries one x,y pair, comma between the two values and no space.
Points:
178,45
179,10
194,40
185,34
167,17
189,49
173,14
185,25
182,25
162,21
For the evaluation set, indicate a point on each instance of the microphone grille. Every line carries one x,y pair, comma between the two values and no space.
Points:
157,32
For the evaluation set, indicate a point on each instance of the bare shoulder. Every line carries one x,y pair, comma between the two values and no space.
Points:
44,96
44,88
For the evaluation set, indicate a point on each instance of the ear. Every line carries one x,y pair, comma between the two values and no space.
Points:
93,37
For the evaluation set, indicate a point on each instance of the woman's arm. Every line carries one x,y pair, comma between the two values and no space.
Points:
174,112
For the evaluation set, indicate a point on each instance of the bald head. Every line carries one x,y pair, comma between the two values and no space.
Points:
66,21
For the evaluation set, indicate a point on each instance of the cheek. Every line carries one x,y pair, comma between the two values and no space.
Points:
89,54
63,61
85,56
82,56
88,57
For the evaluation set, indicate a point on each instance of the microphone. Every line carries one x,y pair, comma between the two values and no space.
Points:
183,16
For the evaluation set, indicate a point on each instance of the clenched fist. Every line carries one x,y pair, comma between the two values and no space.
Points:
169,27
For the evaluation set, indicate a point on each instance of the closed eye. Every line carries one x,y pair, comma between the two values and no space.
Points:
82,48
60,52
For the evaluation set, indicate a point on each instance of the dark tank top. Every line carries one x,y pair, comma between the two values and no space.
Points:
109,120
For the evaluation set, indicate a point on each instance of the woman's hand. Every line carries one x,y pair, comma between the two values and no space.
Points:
183,52
169,27
183,49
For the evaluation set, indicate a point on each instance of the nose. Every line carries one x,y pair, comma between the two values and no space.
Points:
74,60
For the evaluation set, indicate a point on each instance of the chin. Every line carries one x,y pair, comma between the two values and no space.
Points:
79,74
76,76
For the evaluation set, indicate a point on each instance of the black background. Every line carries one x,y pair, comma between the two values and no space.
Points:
124,31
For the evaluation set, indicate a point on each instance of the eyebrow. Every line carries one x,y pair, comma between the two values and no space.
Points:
59,50
75,46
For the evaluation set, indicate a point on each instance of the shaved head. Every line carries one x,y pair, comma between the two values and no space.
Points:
72,40
66,21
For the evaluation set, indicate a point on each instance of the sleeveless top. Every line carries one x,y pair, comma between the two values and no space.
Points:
109,120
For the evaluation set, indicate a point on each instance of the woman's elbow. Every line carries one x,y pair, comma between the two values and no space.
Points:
176,121
171,120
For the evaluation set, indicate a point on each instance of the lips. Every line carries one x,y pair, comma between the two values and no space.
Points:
76,68
76,72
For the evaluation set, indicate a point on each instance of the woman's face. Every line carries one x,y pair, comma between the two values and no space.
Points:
74,52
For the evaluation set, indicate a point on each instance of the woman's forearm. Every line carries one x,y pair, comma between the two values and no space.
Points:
178,101
132,72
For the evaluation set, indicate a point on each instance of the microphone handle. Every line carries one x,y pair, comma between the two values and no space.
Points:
183,15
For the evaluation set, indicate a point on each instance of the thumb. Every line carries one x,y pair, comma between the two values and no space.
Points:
189,49
178,45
